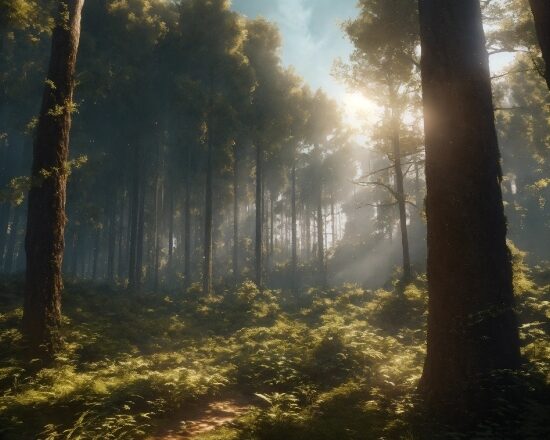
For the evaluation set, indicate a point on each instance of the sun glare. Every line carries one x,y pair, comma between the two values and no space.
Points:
358,109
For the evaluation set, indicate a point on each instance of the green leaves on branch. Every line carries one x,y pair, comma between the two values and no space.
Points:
17,188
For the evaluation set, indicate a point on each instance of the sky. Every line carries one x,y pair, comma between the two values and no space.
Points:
313,39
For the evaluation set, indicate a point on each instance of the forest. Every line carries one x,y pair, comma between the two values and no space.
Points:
197,242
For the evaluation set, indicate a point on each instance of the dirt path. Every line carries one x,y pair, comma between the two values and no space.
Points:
203,419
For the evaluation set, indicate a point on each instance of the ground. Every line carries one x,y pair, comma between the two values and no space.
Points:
244,364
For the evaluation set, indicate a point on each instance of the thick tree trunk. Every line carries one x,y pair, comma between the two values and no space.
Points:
472,328
46,220
259,216
541,13
401,197
294,233
236,212
208,222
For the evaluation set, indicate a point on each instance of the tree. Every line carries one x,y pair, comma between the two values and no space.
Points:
270,119
541,13
522,121
46,207
385,36
472,328
213,62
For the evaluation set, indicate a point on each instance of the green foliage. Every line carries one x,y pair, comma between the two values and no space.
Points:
342,363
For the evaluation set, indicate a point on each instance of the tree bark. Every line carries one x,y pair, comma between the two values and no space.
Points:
472,328
541,14
46,219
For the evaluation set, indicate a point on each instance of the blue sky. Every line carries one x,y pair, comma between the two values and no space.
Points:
312,37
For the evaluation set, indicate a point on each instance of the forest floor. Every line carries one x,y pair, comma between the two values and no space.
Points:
207,416
248,365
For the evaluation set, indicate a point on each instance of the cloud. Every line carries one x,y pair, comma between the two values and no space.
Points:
300,46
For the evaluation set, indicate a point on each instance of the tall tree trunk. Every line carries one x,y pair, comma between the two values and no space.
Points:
320,238
4,223
111,246
97,246
121,238
271,229
401,197
308,231
417,186
133,222
171,233
294,238
157,200
4,165
140,237
12,240
333,220
187,209
259,216
472,328
46,220
156,238
236,212
82,255
541,13
208,221
73,268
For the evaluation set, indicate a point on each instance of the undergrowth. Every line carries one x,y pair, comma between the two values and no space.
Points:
342,363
